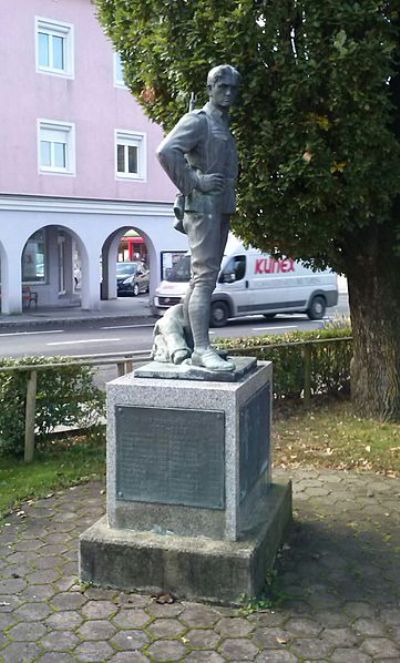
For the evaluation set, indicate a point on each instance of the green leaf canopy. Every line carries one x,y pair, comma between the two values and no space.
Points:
316,125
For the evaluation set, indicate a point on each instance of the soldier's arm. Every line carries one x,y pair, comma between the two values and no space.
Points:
189,131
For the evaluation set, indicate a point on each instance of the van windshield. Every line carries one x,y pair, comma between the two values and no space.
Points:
180,272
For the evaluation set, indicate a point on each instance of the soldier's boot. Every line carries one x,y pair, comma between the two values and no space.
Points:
199,315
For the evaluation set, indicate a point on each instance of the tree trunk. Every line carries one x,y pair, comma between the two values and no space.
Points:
374,295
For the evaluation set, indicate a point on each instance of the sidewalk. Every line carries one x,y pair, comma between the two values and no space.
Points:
128,309
340,568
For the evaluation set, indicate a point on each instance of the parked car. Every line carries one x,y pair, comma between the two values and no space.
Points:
133,278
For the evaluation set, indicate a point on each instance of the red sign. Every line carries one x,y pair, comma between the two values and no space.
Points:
273,266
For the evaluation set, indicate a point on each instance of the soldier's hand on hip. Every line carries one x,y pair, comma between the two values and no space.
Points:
213,183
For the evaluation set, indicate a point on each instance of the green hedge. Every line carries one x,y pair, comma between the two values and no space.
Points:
330,361
65,396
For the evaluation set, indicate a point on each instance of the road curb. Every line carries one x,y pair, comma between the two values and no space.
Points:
19,325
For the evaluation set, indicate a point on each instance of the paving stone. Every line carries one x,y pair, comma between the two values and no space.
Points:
338,585
276,657
68,601
134,618
27,631
12,585
317,492
70,567
238,650
303,626
96,630
8,603
234,628
28,546
200,616
56,657
129,640
271,638
309,483
202,638
93,652
20,652
43,577
16,571
51,549
134,601
37,593
129,657
341,637
62,641
32,612
68,619
20,557
6,619
48,562
166,628
268,618
100,594
342,655
57,537
64,516
4,640
65,583
380,647
311,648
99,609
209,656
166,650
164,609
369,627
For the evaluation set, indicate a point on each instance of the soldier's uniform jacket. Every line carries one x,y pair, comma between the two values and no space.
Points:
201,142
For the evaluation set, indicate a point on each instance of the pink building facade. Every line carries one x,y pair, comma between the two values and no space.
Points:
78,159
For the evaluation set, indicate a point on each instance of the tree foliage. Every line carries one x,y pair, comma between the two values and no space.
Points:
317,127
316,123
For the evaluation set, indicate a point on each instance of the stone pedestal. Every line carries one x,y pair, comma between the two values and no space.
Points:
191,508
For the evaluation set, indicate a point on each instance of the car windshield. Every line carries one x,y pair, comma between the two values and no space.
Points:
126,268
180,272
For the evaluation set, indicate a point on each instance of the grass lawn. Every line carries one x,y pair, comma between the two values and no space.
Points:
65,463
329,435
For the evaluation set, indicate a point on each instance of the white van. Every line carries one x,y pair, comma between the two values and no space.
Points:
251,282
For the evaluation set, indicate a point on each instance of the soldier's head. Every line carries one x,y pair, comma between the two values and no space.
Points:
222,85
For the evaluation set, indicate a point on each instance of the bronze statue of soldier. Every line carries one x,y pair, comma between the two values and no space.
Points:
199,155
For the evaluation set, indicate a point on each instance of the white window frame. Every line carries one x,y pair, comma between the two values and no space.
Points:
67,128
118,82
137,139
59,29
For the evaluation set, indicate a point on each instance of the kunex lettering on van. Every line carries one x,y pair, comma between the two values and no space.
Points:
274,266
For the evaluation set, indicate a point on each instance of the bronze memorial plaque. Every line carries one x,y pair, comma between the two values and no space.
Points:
171,456
254,439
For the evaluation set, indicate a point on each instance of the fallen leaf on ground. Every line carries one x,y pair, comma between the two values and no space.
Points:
164,597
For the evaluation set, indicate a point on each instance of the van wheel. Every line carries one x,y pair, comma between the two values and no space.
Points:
269,316
219,314
317,308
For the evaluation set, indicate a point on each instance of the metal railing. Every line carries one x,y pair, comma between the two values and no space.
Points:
125,362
